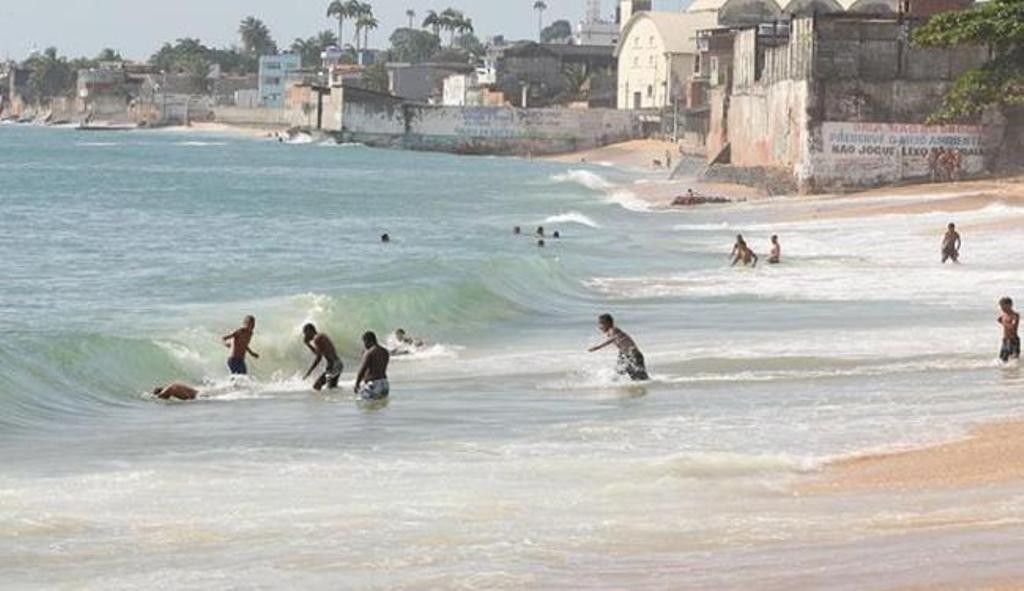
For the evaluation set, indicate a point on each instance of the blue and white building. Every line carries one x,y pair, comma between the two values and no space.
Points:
277,72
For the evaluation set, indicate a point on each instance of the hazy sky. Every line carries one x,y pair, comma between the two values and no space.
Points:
137,28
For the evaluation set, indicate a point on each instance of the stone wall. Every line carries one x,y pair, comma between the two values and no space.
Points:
381,120
841,77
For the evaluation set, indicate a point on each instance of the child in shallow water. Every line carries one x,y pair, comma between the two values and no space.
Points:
631,360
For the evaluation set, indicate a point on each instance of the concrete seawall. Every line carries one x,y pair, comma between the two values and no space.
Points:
379,120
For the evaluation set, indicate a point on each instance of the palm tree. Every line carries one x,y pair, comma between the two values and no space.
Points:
540,6
367,23
433,22
339,10
451,21
358,10
256,39
412,17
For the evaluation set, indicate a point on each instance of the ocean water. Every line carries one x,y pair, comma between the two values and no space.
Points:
508,457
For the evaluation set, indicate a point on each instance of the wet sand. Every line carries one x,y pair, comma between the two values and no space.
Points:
992,454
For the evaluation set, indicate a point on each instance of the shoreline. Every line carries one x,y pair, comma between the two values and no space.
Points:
992,453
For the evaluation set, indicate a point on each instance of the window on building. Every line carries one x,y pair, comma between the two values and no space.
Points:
650,91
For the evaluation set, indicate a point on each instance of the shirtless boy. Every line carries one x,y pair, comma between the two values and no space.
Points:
631,360
1010,321
238,342
776,256
321,346
951,245
372,379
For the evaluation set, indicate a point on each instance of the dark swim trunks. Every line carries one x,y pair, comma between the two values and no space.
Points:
333,373
632,364
237,367
1010,350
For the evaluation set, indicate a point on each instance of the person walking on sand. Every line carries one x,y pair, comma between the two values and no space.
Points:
1010,321
776,255
322,346
631,361
372,379
238,342
951,245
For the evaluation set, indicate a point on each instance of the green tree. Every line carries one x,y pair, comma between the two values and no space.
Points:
998,25
51,76
559,31
256,39
367,22
413,45
109,55
470,43
361,12
311,48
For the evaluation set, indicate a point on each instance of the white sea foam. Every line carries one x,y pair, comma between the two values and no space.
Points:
584,178
571,217
199,144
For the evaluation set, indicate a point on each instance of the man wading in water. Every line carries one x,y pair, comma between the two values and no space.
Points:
372,380
323,348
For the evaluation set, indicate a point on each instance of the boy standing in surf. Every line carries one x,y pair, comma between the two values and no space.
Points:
239,345
631,360
322,346
951,245
1010,321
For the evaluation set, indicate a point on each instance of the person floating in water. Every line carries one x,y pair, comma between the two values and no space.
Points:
776,255
403,344
557,235
1010,321
239,345
176,390
385,238
742,253
951,245
540,231
631,360
372,379
541,243
322,346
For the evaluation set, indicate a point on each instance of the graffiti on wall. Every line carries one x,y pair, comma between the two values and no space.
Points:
893,151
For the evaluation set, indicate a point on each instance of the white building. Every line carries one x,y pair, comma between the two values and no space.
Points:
597,33
657,55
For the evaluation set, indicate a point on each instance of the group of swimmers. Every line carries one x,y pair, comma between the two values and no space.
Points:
741,253
371,380
540,234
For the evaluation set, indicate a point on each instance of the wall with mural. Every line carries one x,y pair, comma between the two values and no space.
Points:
859,154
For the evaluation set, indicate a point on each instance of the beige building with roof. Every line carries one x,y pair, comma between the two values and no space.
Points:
657,55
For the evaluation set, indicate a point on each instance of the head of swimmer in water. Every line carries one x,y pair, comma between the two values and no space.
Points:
249,322
540,230
775,239
740,240
308,332
1006,305
158,391
517,230
605,322
951,227
369,339
385,238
